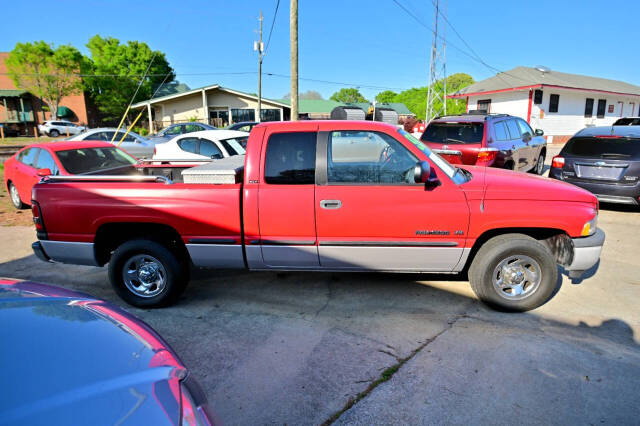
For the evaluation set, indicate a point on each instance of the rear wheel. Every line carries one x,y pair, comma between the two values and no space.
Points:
147,274
54,133
15,197
514,272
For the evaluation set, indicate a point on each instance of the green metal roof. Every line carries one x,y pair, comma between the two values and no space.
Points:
64,111
12,93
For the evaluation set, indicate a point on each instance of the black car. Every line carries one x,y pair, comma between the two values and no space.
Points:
244,126
627,121
603,160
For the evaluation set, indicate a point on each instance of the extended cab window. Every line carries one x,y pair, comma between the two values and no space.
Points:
364,157
291,159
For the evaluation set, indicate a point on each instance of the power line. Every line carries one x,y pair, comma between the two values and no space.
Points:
271,30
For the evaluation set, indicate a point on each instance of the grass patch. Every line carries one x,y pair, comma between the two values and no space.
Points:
28,140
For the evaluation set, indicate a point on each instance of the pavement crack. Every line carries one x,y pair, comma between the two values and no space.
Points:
390,354
388,373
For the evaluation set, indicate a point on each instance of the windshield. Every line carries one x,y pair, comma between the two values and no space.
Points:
453,133
442,164
235,146
86,160
626,148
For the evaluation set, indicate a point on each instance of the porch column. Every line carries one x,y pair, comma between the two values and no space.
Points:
205,107
6,110
150,118
22,112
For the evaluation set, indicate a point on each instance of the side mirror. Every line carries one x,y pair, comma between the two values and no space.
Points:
44,172
422,173
539,132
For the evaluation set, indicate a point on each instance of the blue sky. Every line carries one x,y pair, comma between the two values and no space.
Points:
367,43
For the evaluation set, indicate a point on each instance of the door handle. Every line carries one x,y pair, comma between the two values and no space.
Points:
331,204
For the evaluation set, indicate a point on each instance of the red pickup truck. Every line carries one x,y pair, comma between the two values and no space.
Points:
325,195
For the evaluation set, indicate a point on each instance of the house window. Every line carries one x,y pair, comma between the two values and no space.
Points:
240,115
602,104
484,105
270,115
588,108
537,97
554,100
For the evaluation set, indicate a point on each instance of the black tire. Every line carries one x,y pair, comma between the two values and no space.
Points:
174,270
54,133
539,167
485,267
15,197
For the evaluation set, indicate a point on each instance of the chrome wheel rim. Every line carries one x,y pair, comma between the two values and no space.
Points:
540,165
15,197
517,277
144,275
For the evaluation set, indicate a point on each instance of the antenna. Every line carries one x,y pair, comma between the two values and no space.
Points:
437,89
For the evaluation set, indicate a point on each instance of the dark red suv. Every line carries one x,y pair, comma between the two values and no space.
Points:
495,140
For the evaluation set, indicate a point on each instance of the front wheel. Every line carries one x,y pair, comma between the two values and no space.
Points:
147,274
54,133
15,197
514,272
539,168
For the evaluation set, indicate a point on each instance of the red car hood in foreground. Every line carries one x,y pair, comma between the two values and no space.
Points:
509,185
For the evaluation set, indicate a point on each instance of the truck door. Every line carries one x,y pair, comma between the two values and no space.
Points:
286,206
372,216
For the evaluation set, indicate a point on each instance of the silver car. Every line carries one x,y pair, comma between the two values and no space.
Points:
133,143
174,130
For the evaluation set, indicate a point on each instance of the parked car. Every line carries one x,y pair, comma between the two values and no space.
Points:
244,126
133,143
9,130
27,166
603,160
205,145
174,130
327,195
495,140
74,359
55,128
627,121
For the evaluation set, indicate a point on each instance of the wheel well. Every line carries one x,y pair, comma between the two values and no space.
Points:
555,239
111,235
543,151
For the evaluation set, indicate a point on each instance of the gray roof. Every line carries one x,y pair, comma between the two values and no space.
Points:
526,77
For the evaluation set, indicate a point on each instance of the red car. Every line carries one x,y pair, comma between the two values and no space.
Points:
328,196
491,140
21,171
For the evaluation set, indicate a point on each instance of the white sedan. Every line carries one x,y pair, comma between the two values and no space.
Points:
203,145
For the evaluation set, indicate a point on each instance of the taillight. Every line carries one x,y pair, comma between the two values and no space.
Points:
38,221
557,162
486,156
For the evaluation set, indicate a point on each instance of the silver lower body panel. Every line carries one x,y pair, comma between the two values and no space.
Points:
224,256
70,252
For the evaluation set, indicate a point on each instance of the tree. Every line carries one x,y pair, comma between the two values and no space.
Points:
118,69
308,95
348,95
46,72
416,98
386,97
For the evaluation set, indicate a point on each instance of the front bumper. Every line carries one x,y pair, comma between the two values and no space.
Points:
586,253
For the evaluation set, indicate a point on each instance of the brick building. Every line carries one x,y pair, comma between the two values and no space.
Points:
21,111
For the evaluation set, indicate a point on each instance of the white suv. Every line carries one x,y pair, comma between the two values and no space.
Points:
57,128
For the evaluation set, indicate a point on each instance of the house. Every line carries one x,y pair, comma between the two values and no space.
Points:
221,106
22,112
556,102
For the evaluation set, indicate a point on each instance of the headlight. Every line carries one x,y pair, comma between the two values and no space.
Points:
590,227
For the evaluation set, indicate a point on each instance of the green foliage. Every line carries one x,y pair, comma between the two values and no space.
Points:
348,95
119,68
416,98
142,131
45,71
193,119
386,97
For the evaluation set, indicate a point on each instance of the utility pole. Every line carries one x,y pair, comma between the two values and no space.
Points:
259,46
293,29
438,71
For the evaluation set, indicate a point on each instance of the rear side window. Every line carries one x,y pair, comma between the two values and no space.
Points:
501,131
189,145
622,148
291,159
45,161
514,130
452,133
209,149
